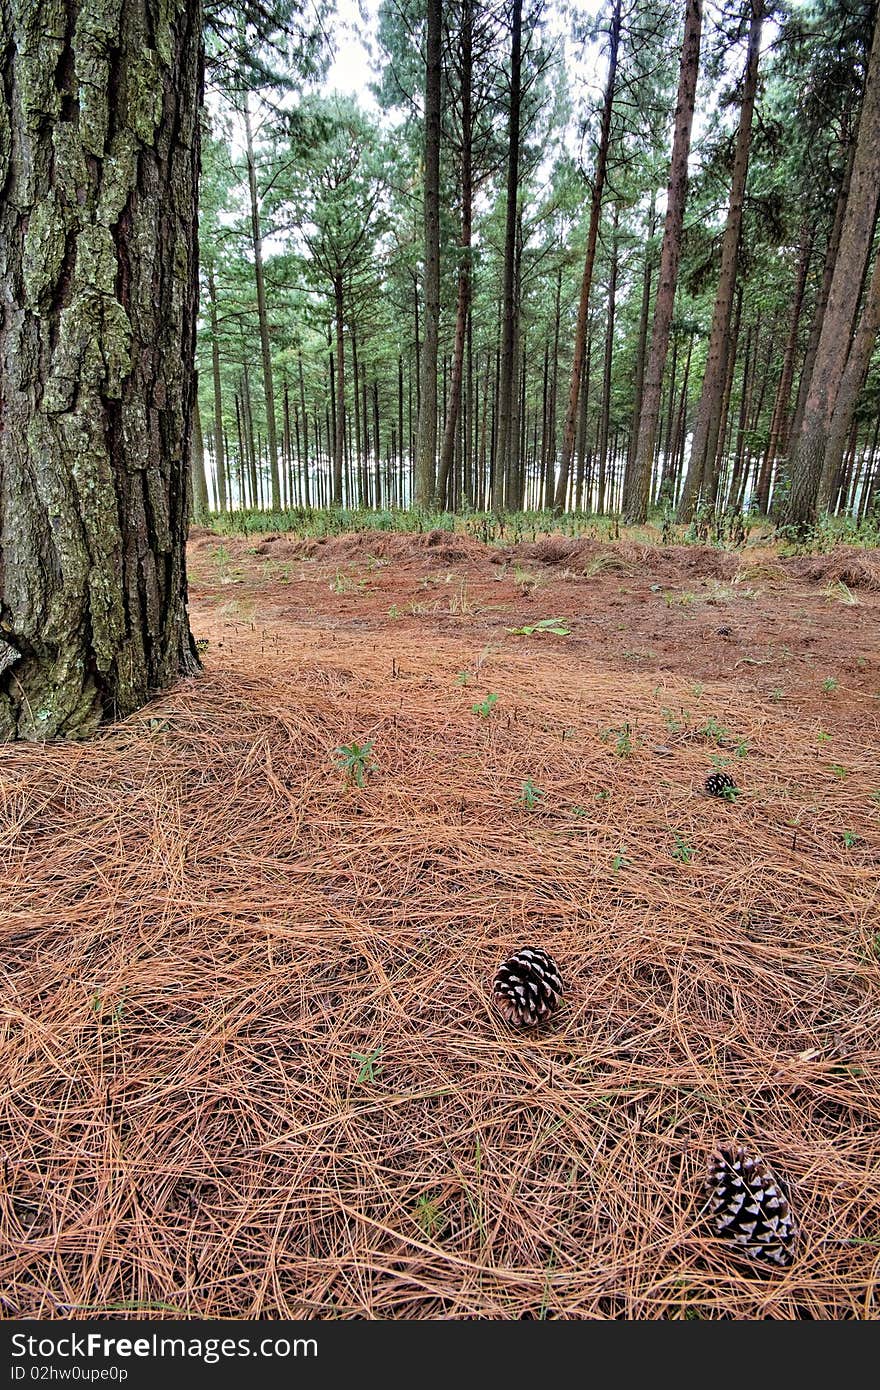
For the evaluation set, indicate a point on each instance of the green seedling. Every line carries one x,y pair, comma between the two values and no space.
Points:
850,839
370,1065
484,707
429,1215
530,795
829,684
620,860
623,742
355,761
682,851
464,678
823,737
839,770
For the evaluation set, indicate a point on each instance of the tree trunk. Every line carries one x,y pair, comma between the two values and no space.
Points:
851,383
262,315
99,159
670,257
464,272
809,484
338,394
580,334
605,417
426,449
200,506
219,457
504,444
777,442
705,440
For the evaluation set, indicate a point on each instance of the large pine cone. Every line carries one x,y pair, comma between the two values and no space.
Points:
748,1207
720,784
527,987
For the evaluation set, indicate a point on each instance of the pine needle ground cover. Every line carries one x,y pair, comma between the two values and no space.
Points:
251,1066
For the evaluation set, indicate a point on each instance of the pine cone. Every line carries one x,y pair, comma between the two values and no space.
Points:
719,783
527,987
748,1208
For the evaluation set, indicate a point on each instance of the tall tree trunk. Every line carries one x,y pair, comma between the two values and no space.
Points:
200,506
338,393
550,453
464,271
219,456
851,383
504,445
777,441
305,415
810,488
262,315
705,440
426,449
580,333
98,195
670,257
605,418
641,352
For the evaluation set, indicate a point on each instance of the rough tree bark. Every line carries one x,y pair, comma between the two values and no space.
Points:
670,257
778,440
580,334
426,448
809,489
99,159
850,385
219,452
705,441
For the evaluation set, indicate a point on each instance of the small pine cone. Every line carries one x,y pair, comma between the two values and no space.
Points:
748,1207
527,987
717,783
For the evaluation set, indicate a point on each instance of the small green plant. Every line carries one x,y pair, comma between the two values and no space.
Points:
579,811
370,1065
675,722
429,1215
623,740
829,684
849,839
530,794
554,625
394,611
696,690
484,707
355,761
823,737
116,1014
620,860
875,797
464,678
682,851
602,796
741,748
776,695
839,770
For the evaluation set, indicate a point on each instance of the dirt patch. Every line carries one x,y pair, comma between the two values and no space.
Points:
252,1067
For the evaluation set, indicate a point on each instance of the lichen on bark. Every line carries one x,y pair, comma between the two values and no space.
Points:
98,176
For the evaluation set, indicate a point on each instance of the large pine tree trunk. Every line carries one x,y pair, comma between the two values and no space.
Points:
777,442
99,158
809,487
670,257
851,384
426,448
580,333
706,430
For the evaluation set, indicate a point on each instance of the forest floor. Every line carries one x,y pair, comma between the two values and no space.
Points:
250,1062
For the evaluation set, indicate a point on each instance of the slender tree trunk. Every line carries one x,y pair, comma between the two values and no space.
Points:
464,271
262,315
580,333
605,418
426,449
339,396
778,439
98,191
504,444
305,415
200,506
219,456
810,485
705,440
641,350
670,257
715,470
